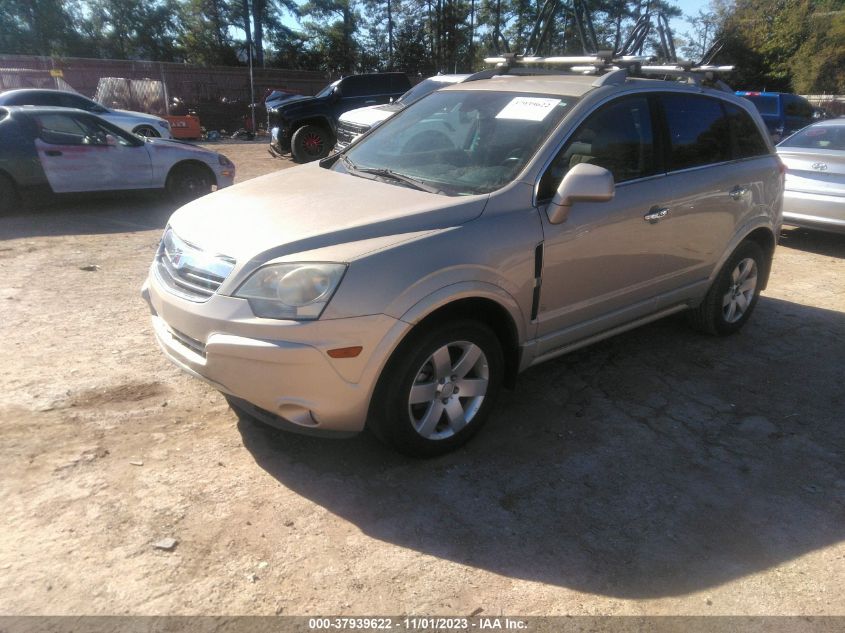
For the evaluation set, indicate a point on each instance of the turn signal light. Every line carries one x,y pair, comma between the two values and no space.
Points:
345,352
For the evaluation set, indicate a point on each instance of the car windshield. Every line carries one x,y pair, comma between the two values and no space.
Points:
765,105
325,92
422,89
831,137
458,142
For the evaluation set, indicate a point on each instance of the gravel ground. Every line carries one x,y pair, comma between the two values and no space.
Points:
660,472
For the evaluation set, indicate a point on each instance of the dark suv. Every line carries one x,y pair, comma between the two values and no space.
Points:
305,126
783,113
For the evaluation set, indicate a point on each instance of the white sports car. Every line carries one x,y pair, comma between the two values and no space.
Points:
135,122
59,150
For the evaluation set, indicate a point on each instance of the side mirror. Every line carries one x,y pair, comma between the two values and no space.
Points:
336,93
582,183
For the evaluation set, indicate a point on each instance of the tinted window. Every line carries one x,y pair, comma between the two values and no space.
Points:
796,106
818,137
47,98
765,105
355,86
399,83
618,137
748,141
699,131
379,84
75,101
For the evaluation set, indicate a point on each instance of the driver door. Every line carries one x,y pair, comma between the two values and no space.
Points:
604,265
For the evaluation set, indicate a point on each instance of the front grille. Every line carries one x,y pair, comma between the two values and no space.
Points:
347,132
187,270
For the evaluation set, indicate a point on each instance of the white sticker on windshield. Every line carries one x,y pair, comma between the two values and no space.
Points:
528,108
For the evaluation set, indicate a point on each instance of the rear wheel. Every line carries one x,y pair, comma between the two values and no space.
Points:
734,293
310,142
8,195
438,389
147,131
188,181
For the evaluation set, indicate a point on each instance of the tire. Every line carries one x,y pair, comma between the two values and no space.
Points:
146,131
187,182
9,200
731,299
417,406
310,142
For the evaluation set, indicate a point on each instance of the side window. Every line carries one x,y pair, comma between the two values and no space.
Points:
59,129
699,131
379,84
354,86
399,83
797,107
618,137
747,139
73,101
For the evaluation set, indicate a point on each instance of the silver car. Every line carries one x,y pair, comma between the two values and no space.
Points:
815,176
487,228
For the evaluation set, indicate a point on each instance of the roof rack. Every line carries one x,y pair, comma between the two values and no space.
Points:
611,70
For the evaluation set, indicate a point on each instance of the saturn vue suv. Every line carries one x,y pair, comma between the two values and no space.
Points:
492,225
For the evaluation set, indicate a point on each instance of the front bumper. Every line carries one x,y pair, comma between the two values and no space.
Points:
282,367
280,140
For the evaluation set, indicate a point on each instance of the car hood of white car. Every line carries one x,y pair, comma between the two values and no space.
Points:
370,115
129,114
308,208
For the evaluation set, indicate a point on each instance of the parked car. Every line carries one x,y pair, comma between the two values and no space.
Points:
815,176
135,122
782,112
356,122
305,126
486,228
45,151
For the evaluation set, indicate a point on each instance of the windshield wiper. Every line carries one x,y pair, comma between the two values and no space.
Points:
392,175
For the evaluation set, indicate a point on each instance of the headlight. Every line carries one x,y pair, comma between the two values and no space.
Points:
291,291
225,162
164,124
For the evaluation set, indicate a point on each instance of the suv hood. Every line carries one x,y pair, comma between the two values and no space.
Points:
308,208
370,115
296,100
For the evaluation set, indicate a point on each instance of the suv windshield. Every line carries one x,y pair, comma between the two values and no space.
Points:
459,142
325,92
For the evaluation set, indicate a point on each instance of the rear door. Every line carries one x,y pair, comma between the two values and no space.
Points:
715,182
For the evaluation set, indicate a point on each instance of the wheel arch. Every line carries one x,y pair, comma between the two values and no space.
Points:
319,120
484,309
192,162
765,239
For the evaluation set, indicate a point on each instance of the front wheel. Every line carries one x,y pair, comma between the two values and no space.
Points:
146,131
310,142
734,293
438,389
187,182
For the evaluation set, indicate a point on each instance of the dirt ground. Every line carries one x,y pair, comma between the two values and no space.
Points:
660,472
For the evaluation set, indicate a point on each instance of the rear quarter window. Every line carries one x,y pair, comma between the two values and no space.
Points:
747,140
699,131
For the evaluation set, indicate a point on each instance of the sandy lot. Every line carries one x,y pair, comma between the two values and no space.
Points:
661,472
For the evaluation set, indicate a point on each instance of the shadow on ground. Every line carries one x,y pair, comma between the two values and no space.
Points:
657,463
89,215
818,242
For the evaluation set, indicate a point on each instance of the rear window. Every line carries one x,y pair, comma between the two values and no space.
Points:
830,137
765,105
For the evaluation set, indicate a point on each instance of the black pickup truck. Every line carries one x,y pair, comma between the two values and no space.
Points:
305,126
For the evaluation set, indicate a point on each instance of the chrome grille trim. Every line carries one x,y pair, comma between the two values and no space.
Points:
347,132
187,270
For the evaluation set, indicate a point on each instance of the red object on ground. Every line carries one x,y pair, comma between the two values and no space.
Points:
187,127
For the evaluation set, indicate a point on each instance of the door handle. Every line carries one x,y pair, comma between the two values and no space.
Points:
655,214
737,192
53,152
369,101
